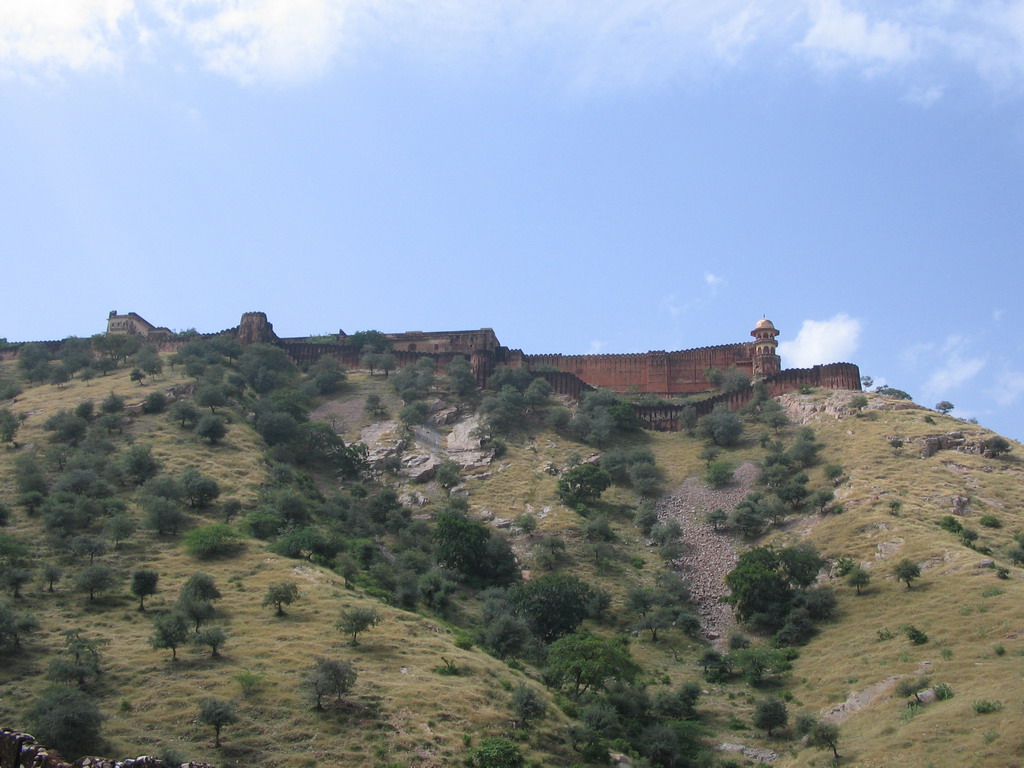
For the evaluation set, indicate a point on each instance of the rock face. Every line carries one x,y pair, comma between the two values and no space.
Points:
20,749
256,329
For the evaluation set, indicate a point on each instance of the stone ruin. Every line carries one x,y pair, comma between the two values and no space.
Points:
20,750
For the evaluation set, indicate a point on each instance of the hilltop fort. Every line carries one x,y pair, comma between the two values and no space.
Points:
659,373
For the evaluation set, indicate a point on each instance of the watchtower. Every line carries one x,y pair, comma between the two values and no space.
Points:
765,359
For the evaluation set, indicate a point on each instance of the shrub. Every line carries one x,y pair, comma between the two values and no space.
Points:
496,752
985,706
66,719
943,691
990,521
718,473
213,541
915,635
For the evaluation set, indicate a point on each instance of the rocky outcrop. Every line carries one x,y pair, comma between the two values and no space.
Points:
20,749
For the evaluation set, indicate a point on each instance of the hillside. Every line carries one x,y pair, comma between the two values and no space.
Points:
430,686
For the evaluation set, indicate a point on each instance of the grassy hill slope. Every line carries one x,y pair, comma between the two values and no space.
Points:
403,711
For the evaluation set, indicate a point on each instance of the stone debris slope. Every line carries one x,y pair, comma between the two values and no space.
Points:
710,554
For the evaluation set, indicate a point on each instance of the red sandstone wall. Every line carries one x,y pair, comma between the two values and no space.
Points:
655,373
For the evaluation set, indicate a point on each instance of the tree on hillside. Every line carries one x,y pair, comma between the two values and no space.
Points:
211,427
355,621
997,446
217,713
169,631
722,427
944,406
554,604
858,578
96,578
906,571
280,594
824,735
582,662
9,426
330,678
583,484
144,581
770,713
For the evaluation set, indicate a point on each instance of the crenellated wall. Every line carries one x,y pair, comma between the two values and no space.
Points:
654,373
20,750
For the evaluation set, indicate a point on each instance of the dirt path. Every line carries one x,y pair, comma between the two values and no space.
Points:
710,554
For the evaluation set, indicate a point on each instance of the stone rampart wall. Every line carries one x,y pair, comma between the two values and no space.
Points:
666,418
654,373
20,750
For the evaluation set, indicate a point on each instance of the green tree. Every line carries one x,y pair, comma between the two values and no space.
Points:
169,631
119,527
906,571
138,463
212,428
211,396
718,474
162,515
14,578
14,625
824,735
944,406
79,661
9,426
770,713
213,637
496,752
144,581
211,541
997,446
200,490
95,578
581,662
217,713
722,427
583,484
184,411
554,604
280,594
330,677
527,705
354,621
66,719
858,578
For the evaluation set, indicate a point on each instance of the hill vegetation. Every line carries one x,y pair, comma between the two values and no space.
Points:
216,556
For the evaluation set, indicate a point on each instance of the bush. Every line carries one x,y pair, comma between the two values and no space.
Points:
66,719
213,541
496,752
985,706
943,691
718,473
990,521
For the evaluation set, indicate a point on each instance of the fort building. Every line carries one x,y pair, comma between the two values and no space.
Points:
658,373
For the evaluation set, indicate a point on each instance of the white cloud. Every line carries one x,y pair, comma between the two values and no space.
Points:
956,367
822,341
1009,386
260,40
51,36
596,347
586,43
840,33
713,280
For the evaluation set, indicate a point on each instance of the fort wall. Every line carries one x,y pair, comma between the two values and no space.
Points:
20,750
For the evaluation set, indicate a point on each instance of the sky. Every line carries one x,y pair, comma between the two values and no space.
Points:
579,175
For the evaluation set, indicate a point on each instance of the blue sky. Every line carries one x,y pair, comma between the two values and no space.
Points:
580,176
